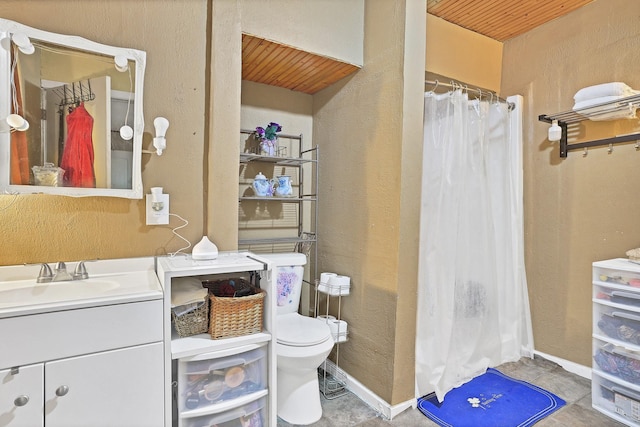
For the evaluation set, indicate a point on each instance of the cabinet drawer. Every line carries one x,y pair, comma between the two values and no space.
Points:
49,336
250,415
617,324
206,380
617,361
616,295
616,399
618,272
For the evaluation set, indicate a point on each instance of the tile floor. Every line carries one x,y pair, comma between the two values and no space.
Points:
348,410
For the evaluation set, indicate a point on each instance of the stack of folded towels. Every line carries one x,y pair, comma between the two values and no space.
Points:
187,294
595,96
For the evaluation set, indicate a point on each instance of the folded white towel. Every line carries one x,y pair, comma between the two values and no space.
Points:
187,290
610,112
605,89
595,101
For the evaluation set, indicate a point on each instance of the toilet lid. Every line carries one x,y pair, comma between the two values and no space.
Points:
297,330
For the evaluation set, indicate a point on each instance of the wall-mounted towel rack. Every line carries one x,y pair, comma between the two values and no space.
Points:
74,93
575,116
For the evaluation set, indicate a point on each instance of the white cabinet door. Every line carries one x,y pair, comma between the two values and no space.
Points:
21,397
114,388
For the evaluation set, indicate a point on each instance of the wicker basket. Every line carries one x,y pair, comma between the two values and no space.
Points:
236,316
194,322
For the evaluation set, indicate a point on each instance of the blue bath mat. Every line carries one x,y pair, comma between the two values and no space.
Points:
491,400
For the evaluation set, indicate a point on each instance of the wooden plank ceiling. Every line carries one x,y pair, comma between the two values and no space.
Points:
268,62
501,19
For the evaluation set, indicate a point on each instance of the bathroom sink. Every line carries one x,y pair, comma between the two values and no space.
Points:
109,282
34,293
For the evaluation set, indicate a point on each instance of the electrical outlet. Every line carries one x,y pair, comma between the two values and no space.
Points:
158,211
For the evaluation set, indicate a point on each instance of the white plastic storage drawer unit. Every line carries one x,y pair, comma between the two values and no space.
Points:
616,340
222,379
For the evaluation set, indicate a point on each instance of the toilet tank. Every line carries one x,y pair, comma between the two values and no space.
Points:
288,274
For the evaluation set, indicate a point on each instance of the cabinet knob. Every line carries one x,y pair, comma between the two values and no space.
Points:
62,390
21,400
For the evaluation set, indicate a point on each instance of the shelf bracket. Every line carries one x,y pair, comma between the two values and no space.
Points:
565,147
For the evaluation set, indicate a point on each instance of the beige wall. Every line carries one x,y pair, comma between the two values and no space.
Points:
37,228
366,126
580,209
332,28
463,55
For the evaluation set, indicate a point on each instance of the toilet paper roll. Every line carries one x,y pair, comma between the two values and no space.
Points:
339,285
338,330
338,280
325,278
327,318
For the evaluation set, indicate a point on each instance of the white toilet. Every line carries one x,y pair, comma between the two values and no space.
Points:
302,344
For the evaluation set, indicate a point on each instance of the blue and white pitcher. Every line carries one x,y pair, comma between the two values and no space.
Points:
284,186
262,186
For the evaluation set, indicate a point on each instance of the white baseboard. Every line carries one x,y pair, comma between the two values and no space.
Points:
385,409
567,365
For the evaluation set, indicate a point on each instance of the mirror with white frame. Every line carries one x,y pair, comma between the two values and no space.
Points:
71,119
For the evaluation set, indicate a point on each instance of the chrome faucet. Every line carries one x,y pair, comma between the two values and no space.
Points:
61,274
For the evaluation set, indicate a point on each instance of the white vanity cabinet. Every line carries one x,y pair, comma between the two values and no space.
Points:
112,388
616,340
204,391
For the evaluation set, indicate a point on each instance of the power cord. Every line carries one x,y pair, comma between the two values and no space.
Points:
15,197
174,231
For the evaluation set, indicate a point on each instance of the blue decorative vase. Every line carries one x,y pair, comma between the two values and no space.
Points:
262,186
284,186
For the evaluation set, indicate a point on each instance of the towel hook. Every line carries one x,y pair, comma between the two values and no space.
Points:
610,149
637,146
585,153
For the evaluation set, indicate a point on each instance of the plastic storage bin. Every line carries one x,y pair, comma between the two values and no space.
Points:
48,175
620,272
616,323
616,399
210,380
618,361
249,415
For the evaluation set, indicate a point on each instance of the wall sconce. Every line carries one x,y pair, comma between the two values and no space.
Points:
121,63
555,132
160,142
23,43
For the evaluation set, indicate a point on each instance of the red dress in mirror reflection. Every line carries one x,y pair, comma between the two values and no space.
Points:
77,157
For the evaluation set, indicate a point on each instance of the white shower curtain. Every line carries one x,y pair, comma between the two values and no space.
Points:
473,308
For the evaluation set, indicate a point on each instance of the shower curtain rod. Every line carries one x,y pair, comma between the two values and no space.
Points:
480,92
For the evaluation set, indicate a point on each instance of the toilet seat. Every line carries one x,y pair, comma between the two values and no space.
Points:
296,330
